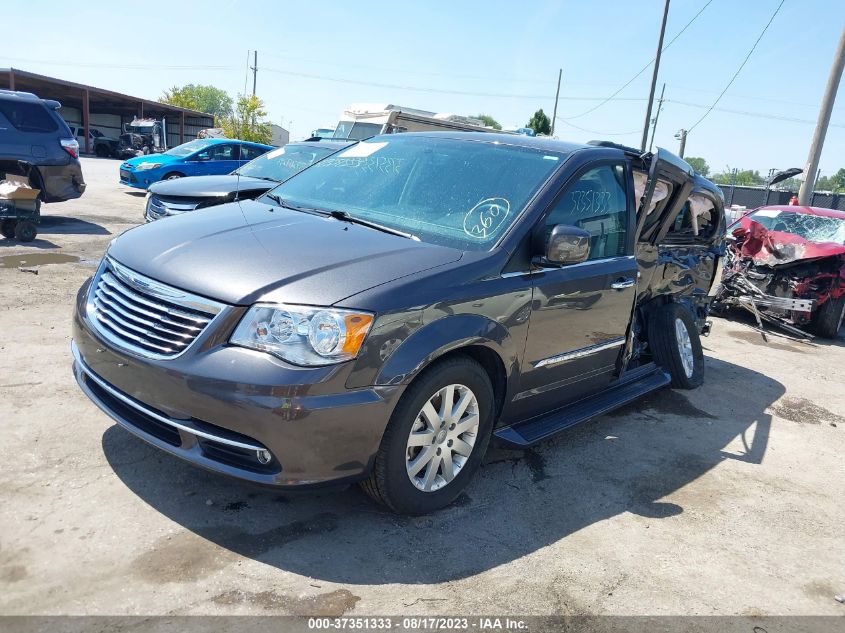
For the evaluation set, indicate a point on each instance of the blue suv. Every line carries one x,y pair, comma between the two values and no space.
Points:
202,157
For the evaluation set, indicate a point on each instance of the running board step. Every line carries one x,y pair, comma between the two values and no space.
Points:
633,385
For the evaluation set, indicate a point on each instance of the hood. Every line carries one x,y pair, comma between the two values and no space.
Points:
209,186
243,252
775,248
164,159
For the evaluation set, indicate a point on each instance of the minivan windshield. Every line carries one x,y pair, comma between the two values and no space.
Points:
188,148
453,192
284,162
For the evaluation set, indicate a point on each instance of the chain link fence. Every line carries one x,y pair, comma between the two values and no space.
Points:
752,197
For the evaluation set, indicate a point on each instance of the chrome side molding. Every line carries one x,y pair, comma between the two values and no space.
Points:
580,353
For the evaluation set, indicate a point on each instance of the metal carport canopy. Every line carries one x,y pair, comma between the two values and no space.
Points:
88,98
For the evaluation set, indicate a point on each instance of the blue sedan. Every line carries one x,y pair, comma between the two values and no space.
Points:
203,157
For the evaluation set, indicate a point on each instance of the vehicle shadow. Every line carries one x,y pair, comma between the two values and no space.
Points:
36,243
136,194
61,225
519,502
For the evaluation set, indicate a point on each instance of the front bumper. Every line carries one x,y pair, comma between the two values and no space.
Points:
134,179
217,406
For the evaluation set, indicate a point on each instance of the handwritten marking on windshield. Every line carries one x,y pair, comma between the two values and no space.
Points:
382,164
486,217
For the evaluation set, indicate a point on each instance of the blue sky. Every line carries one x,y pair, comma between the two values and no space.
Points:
316,57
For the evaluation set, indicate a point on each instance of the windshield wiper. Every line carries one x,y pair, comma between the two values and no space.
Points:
344,216
287,205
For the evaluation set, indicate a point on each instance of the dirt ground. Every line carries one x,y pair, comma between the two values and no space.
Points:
723,500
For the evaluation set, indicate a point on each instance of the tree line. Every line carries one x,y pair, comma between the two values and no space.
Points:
753,178
243,118
539,122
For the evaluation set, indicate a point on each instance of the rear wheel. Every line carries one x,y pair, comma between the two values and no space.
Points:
828,318
435,439
25,231
676,345
7,228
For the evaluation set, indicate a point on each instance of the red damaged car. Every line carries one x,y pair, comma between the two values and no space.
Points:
786,264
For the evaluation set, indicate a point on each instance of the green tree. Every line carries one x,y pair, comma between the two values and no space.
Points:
744,178
834,183
248,121
489,121
540,123
206,99
699,164
790,184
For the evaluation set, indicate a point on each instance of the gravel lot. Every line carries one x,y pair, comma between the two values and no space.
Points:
723,500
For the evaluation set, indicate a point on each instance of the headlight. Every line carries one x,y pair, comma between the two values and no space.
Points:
303,335
144,166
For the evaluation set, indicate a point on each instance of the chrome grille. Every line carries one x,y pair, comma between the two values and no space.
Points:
144,316
158,207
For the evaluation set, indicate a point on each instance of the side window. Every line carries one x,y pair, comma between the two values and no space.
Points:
597,203
28,117
248,152
224,152
218,152
697,220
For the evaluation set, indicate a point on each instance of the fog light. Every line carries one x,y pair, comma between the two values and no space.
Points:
264,456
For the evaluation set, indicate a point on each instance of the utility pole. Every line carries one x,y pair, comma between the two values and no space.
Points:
682,136
557,96
254,69
809,183
654,76
656,116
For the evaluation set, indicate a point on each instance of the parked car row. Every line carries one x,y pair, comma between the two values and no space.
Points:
379,310
175,196
201,157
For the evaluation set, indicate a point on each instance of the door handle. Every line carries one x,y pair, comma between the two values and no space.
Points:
622,283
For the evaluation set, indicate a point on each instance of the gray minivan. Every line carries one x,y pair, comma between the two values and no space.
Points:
33,133
383,314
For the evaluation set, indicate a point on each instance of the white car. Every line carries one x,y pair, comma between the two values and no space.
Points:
79,133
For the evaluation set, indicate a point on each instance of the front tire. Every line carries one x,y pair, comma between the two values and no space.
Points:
436,438
828,318
676,345
174,175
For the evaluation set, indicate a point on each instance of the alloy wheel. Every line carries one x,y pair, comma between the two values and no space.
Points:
684,347
442,437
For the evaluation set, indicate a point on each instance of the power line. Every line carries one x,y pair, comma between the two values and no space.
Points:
433,90
406,71
758,115
746,97
738,70
644,68
583,129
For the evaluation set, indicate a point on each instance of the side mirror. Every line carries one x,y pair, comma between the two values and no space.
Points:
567,245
